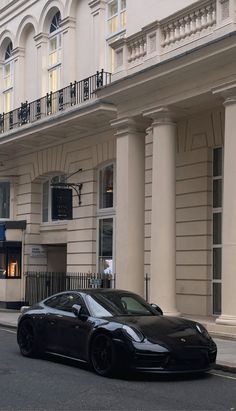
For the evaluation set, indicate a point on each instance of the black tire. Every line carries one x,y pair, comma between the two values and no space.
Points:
27,341
103,356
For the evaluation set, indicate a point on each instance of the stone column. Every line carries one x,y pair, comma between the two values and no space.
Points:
228,315
130,206
163,220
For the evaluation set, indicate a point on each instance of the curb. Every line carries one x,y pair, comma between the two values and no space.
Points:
225,367
7,325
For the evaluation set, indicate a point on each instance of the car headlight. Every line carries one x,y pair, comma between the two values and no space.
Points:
202,330
134,335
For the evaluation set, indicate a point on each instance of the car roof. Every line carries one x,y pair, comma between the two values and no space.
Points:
92,291
101,291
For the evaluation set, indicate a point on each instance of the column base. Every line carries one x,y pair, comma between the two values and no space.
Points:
226,319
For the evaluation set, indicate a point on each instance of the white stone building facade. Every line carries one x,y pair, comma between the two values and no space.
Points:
152,145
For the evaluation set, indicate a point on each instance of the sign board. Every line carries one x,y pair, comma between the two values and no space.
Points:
38,251
2,232
95,282
61,203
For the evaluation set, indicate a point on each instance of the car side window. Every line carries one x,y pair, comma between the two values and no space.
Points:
53,301
133,306
65,302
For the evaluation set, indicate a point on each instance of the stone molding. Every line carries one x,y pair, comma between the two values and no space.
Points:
161,116
126,126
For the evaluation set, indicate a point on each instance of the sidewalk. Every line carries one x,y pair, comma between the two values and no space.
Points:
226,358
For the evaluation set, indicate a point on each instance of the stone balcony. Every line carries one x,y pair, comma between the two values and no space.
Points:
202,22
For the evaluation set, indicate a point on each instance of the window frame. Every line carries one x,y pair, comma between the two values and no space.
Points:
217,211
8,86
6,251
62,308
106,213
49,196
9,205
119,13
55,66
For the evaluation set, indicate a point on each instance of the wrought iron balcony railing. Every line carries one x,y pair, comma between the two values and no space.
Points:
76,93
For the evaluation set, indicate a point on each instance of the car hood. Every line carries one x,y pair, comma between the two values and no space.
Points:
164,329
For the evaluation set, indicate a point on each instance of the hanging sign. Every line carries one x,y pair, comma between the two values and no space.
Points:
61,203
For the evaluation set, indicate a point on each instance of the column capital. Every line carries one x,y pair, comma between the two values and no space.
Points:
67,23
127,125
97,5
160,115
41,38
229,101
18,52
227,91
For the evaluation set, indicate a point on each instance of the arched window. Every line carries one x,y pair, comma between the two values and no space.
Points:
54,66
8,79
55,23
8,52
106,219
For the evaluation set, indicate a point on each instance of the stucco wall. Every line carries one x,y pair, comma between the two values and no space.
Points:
154,10
79,233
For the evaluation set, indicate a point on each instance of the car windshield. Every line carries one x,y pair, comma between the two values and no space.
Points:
109,304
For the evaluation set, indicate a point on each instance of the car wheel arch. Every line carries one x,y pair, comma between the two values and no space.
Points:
100,331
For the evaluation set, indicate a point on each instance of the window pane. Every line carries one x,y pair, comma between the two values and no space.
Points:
7,102
106,187
2,265
217,193
7,75
8,52
217,298
217,254
217,162
13,269
123,19
113,25
217,228
106,245
105,265
53,80
4,200
105,237
123,4
45,202
56,20
53,44
113,8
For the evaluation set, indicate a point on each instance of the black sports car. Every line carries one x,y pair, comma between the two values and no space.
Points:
114,330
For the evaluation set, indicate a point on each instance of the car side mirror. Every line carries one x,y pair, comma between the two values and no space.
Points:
76,309
157,308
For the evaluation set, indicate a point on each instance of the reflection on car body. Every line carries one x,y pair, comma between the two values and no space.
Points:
114,330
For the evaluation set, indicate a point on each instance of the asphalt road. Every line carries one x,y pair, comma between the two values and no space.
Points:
52,384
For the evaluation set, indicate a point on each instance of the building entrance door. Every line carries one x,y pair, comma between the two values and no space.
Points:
57,258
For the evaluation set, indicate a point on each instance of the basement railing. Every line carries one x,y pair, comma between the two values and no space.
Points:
55,102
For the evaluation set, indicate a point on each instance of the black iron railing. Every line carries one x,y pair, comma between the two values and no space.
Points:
40,285
76,93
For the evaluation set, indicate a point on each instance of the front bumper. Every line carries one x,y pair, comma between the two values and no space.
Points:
154,358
